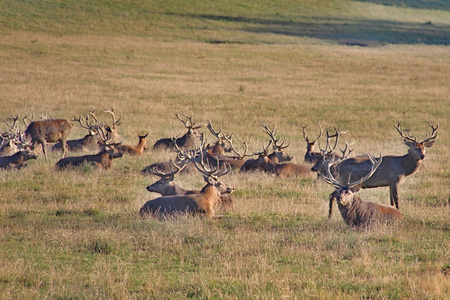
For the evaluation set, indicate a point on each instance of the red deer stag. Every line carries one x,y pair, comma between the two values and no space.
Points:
91,142
102,160
17,160
186,141
356,212
311,156
203,202
393,170
10,138
220,146
166,186
48,131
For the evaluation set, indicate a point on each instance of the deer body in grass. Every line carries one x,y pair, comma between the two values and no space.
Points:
134,150
17,160
186,141
166,186
48,131
101,160
203,202
356,212
277,156
393,170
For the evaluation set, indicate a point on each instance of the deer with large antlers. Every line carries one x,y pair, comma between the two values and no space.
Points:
186,141
393,170
102,160
203,202
356,212
166,186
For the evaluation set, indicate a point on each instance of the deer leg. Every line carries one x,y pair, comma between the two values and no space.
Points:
393,189
64,147
43,148
333,197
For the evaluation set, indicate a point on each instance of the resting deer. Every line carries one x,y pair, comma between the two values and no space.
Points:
354,211
102,160
48,131
134,150
311,156
186,141
166,186
10,138
203,202
17,160
220,146
394,169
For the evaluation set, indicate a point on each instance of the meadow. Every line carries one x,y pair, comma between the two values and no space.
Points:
359,66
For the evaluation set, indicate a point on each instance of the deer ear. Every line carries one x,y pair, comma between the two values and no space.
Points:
429,144
355,188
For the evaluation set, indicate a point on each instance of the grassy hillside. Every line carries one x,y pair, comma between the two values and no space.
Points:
357,65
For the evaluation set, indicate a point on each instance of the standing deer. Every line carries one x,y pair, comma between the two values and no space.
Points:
203,202
393,170
356,212
134,150
48,131
186,141
102,160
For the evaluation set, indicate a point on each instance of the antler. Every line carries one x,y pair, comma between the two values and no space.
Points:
215,174
346,152
406,138
157,172
433,134
115,122
306,138
189,124
374,165
272,134
228,139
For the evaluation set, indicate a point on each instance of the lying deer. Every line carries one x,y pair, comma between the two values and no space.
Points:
134,150
186,141
203,202
166,186
356,212
393,170
102,160
17,160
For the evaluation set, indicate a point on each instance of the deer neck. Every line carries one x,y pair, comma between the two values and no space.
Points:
210,192
410,164
177,190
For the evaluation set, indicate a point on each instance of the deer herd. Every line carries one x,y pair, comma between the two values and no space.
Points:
192,154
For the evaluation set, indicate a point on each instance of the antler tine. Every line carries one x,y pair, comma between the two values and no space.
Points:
228,139
265,150
329,178
14,124
405,137
375,164
157,172
304,133
115,122
347,148
27,117
213,131
433,134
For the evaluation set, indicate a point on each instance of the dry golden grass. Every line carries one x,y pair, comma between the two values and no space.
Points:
77,234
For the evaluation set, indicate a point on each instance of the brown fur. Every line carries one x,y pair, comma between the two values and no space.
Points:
361,214
101,160
17,160
49,131
134,150
204,202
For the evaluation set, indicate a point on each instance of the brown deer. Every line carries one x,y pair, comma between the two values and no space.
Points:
166,186
134,150
356,212
17,160
393,170
10,138
235,162
329,150
48,131
311,156
220,146
203,202
186,141
102,160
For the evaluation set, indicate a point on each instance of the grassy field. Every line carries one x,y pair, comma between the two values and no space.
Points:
357,65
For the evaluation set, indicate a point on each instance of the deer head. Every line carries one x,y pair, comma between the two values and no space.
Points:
417,149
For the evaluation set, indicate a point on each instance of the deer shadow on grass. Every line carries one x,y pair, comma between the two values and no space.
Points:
344,31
